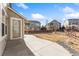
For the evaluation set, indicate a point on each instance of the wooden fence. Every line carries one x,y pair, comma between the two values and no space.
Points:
40,31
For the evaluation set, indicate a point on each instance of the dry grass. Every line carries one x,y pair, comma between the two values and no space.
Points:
52,37
61,36
74,44
77,33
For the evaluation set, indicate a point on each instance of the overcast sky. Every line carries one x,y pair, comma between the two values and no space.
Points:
46,12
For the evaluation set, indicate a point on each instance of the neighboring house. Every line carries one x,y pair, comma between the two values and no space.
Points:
53,25
11,25
32,25
26,28
72,24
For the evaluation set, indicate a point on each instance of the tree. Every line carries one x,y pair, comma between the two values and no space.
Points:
43,28
62,28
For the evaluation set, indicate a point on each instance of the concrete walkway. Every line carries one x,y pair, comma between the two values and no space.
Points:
41,47
17,48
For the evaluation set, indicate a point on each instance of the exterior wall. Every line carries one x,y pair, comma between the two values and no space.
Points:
66,24
53,26
32,26
2,38
6,19
27,28
11,15
72,24
23,28
49,27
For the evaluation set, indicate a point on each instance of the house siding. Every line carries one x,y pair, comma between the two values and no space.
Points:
32,26
54,25
12,14
7,21
2,38
70,23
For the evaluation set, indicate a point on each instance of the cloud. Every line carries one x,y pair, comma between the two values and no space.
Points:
22,5
73,15
68,10
37,16
70,13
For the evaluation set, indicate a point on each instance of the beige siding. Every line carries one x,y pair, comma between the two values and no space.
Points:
7,21
2,38
53,26
12,14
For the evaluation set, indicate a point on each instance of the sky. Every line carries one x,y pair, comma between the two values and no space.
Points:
46,12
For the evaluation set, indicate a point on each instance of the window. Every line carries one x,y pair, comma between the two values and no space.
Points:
51,23
6,29
2,29
4,26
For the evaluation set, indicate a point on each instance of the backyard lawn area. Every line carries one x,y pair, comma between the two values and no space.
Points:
52,36
62,37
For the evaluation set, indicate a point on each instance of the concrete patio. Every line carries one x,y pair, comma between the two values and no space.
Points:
17,48
41,47
32,45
